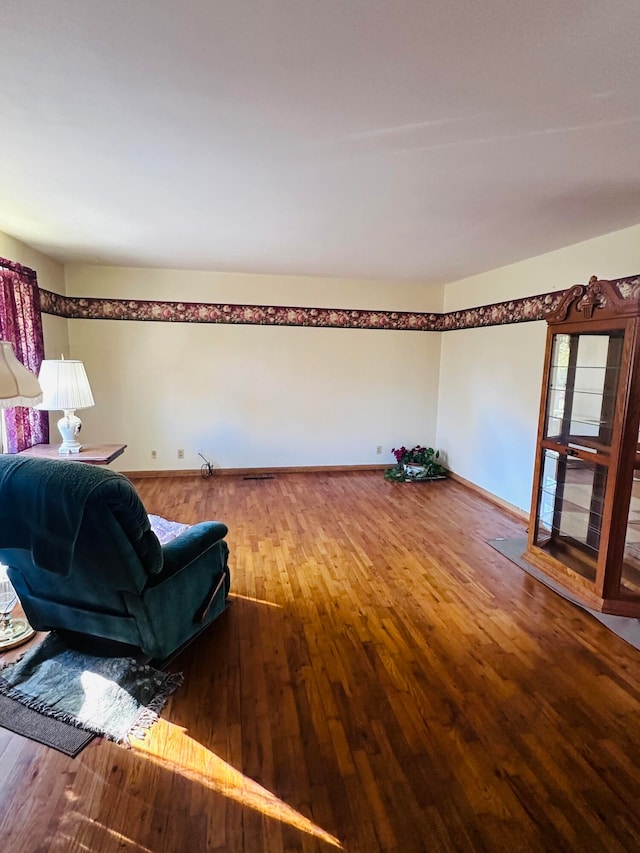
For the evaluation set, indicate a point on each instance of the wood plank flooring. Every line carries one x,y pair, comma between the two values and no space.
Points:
383,681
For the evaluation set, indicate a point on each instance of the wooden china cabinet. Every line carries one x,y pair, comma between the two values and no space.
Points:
585,513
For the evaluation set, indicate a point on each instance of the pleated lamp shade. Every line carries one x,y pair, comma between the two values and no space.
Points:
65,386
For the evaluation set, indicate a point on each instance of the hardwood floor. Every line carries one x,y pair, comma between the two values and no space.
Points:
384,681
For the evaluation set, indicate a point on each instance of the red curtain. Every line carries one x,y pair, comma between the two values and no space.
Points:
21,323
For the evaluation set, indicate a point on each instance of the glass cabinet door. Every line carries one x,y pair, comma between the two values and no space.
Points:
577,434
583,385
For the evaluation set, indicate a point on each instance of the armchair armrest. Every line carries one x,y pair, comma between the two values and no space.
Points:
187,547
190,591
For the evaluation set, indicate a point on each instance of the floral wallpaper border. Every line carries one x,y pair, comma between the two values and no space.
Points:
523,310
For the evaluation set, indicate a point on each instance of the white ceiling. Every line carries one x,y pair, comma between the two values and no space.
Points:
394,139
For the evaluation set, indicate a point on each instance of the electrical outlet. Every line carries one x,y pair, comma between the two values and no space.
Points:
154,454
181,454
379,449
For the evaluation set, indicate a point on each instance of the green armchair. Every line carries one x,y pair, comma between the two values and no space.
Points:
85,562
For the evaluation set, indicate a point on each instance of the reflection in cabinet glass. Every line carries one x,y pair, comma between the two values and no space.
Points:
585,515
582,386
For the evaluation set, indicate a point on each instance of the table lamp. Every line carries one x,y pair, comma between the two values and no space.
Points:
18,387
65,387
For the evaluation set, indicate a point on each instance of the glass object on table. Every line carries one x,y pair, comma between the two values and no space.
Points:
13,632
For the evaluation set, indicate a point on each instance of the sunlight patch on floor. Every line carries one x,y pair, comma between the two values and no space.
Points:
170,747
81,823
236,595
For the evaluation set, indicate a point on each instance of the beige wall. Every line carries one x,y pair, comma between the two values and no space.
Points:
254,396
489,390
305,291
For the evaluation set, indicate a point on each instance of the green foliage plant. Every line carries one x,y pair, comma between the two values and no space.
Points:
424,457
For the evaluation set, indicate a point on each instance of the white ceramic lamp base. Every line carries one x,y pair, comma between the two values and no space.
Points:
69,427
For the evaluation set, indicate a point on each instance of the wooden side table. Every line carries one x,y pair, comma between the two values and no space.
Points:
91,454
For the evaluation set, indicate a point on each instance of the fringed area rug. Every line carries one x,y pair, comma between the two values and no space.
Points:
116,698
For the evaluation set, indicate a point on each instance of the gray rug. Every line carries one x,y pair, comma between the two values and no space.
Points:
116,698
626,628
48,731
